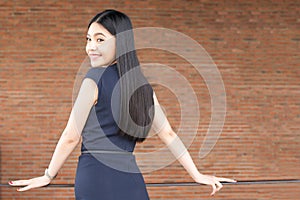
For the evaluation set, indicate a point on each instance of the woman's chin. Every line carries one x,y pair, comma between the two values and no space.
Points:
95,64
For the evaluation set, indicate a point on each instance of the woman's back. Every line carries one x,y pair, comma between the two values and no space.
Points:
101,131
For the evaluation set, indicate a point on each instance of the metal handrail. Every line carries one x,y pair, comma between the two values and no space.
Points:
243,182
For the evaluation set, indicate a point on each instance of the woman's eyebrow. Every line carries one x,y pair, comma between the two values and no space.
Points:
97,34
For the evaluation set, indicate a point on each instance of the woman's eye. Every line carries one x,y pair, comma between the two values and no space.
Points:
98,40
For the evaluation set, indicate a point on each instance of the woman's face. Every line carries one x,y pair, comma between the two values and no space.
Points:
100,46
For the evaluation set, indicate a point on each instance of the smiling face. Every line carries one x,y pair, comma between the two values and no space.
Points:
100,46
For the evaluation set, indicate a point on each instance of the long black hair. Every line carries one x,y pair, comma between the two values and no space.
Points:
136,103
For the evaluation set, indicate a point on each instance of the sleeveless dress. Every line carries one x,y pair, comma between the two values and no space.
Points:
107,168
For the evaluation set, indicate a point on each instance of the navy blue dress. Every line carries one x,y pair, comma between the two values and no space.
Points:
107,169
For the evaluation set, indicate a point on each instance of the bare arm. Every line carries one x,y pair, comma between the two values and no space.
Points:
162,127
72,133
70,137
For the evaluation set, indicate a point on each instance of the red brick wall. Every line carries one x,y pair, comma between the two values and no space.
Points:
255,45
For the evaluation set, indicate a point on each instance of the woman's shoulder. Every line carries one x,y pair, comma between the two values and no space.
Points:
95,73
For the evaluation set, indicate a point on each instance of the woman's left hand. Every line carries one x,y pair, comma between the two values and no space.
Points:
213,181
31,183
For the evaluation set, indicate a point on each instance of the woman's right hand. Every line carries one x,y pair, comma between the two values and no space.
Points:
213,181
31,183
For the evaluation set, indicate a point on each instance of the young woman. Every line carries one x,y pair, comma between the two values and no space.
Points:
115,108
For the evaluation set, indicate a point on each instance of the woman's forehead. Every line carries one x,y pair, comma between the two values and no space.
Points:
98,29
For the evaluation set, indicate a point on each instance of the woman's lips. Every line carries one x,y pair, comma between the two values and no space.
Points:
94,56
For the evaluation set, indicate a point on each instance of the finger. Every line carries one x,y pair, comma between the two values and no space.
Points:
219,185
214,189
24,188
225,180
20,182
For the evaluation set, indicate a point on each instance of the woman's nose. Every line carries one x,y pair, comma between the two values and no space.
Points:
92,46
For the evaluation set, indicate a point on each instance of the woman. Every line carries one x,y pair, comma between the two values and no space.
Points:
115,108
